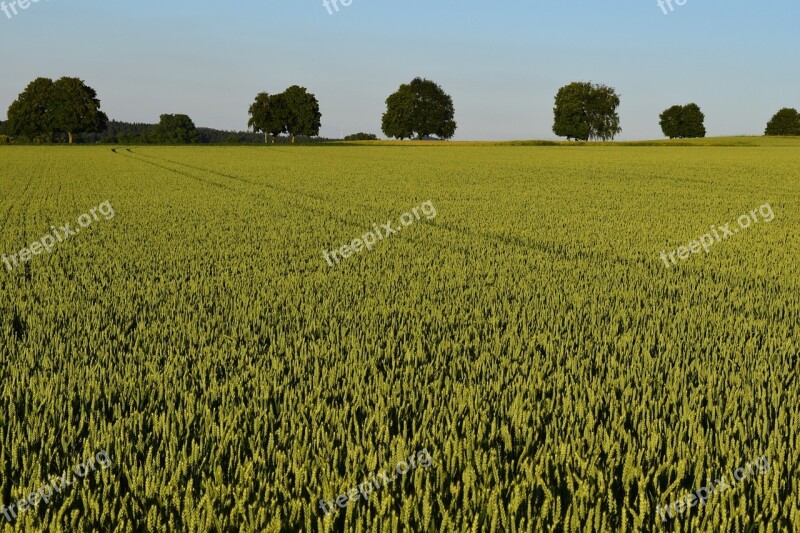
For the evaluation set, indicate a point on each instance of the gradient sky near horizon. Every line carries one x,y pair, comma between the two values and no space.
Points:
502,62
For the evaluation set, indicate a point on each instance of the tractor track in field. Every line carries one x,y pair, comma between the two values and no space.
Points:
241,179
517,242
276,190
131,155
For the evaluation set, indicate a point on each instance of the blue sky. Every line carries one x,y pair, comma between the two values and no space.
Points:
502,62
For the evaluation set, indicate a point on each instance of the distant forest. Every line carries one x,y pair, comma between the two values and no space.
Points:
140,133
132,133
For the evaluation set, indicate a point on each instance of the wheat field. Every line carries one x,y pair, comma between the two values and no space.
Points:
528,337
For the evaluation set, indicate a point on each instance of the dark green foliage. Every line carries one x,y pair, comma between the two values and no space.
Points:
585,111
294,112
570,116
398,121
693,122
683,122
420,108
269,114
75,108
361,137
175,129
784,122
670,121
303,116
126,132
214,136
31,113
45,108
117,132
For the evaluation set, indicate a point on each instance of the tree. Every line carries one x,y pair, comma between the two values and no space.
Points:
175,129
303,117
683,122
46,107
693,122
602,111
784,122
31,113
269,114
585,111
280,116
570,116
75,108
398,121
670,121
419,108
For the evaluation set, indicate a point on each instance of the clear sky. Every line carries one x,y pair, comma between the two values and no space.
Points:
501,61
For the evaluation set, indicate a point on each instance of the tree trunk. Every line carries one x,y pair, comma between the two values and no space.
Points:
70,136
292,139
266,137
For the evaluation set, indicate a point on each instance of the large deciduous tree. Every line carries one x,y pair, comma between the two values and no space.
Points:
175,129
31,113
670,121
683,122
784,122
294,111
269,115
75,108
303,112
398,120
45,107
586,111
419,108
693,123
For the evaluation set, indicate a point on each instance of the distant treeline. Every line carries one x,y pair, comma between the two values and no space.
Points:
138,133
118,132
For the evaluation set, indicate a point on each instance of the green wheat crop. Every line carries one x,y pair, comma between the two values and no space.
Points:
529,337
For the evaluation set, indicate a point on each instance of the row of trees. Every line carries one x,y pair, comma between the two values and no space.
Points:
585,111
419,109
684,122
